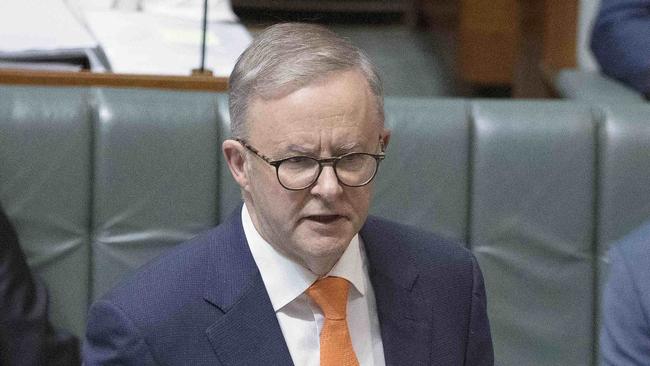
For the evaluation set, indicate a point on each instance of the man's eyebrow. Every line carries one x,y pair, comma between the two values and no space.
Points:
354,146
299,149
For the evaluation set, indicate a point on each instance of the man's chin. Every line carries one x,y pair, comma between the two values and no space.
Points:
322,257
327,248
324,243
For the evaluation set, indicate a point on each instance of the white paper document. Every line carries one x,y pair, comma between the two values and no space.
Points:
218,10
145,43
38,26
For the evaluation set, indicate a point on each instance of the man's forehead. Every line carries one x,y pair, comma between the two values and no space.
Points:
345,143
354,82
341,99
278,91
339,140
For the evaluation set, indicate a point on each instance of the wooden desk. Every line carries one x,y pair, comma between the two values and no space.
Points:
516,42
84,78
404,7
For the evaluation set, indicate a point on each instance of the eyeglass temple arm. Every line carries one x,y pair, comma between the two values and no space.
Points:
255,151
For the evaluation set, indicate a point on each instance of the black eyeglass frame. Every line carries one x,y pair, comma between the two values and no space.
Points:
332,161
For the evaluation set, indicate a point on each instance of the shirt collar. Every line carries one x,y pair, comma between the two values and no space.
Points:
285,279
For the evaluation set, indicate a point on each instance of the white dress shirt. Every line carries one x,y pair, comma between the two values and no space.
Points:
301,320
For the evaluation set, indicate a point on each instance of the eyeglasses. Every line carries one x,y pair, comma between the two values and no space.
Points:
299,172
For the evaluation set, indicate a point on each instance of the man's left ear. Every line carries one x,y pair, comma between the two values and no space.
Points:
385,138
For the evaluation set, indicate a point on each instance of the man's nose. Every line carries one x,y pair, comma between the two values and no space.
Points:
327,184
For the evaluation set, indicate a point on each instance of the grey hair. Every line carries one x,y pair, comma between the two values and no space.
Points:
289,56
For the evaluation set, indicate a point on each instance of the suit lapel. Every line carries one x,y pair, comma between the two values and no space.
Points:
248,332
404,318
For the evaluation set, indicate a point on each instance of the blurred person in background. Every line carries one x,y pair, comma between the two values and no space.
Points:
625,331
621,42
26,336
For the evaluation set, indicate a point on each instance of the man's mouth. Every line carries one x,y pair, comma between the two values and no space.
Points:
324,219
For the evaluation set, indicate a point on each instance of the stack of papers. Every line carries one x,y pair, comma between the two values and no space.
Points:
151,43
218,10
34,30
162,38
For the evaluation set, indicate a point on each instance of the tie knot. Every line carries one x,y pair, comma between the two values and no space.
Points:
331,295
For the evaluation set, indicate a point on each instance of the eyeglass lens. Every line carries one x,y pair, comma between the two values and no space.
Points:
352,170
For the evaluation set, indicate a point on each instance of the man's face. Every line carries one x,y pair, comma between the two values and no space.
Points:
330,117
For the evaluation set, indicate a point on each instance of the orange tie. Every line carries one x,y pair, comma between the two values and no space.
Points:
331,295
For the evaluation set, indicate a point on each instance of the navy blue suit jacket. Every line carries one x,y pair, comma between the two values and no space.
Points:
625,333
621,41
204,303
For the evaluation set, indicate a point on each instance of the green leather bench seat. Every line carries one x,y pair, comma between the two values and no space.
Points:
155,176
624,179
100,180
425,177
45,187
624,163
532,228
593,87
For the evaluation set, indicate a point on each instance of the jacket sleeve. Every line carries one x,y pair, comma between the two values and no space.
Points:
113,339
621,41
26,335
479,339
624,329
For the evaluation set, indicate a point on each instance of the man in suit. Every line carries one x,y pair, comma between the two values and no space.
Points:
300,274
621,42
26,335
625,331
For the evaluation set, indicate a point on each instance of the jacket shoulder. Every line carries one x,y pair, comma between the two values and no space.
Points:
175,268
423,246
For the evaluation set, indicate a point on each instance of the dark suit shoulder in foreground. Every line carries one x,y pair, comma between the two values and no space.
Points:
26,335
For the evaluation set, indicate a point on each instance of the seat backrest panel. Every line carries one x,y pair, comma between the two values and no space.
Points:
45,185
156,162
423,180
532,228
